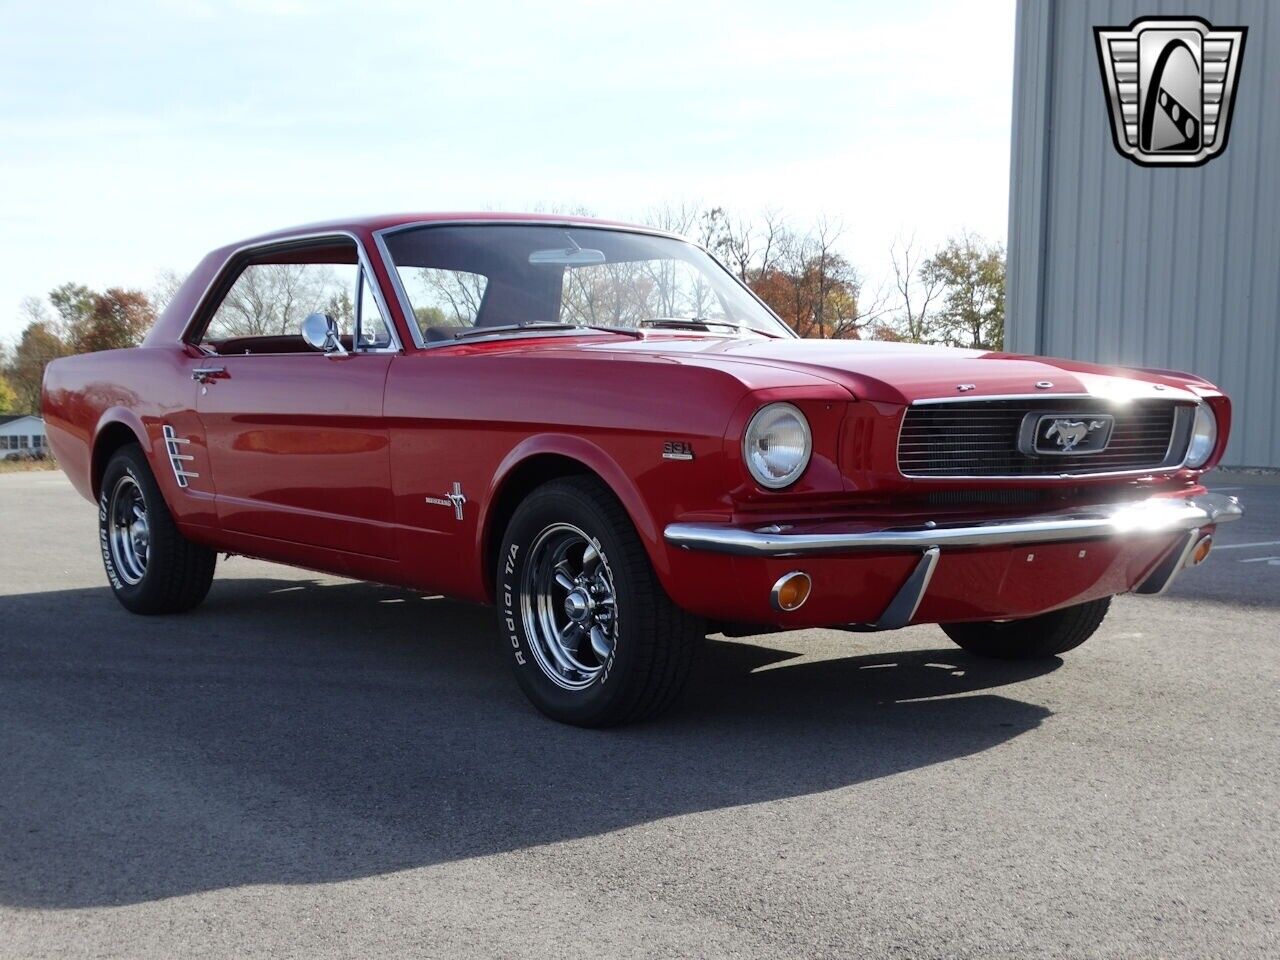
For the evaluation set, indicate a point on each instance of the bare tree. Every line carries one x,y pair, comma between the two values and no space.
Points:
679,218
445,298
273,298
919,285
166,285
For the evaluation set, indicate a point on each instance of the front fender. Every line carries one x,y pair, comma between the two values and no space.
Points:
594,458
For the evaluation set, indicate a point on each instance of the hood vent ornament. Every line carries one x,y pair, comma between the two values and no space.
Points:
965,387
1043,384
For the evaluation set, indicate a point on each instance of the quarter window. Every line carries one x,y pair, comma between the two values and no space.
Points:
375,332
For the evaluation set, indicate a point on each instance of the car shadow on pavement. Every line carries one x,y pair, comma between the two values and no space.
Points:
296,732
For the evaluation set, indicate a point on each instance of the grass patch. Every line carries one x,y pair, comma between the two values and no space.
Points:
27,466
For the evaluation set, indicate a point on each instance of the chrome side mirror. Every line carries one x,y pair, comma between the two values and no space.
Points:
320,331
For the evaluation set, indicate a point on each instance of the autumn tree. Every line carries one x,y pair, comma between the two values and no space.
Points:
38,345
72,302
117,319
972,273
8,396
810,285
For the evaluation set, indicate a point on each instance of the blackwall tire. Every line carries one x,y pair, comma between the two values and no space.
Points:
1035,638
593,638
152,568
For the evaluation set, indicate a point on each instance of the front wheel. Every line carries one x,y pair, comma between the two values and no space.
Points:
1034,638
151,566
593,637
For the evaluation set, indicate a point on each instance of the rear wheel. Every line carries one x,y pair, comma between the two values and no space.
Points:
1034,638
594,639
152,567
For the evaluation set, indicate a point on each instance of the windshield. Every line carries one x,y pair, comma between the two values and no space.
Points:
462,279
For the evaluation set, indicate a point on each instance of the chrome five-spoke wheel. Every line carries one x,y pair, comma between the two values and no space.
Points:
594,639
568,606
128,536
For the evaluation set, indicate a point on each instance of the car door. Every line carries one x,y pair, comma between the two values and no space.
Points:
296,438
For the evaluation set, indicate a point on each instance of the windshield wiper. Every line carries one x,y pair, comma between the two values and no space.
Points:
515,327
697,323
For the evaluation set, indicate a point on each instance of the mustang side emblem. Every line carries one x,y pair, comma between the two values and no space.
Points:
456,499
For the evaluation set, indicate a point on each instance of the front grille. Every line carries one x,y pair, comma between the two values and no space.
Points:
979,438
998,497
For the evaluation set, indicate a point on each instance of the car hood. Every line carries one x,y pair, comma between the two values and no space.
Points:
904,372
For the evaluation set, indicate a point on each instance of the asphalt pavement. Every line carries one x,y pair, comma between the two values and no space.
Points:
311,767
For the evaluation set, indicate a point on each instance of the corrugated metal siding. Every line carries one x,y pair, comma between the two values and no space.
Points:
1117,263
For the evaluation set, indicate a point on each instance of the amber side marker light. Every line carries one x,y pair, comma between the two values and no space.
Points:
1201,552
791,591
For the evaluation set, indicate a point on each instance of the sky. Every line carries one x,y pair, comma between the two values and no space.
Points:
136,135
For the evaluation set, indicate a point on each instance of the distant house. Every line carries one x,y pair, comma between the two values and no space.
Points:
22,433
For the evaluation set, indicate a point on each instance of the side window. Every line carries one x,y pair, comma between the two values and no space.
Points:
443,298
272,300
626,292
375,331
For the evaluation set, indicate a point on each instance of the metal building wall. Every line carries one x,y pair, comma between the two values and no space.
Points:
1170,268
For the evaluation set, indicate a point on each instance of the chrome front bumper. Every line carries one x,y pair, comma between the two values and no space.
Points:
1154,516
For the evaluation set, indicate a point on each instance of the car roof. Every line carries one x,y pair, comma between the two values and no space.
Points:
371,224
176,316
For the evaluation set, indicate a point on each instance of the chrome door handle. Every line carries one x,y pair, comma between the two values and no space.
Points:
205,374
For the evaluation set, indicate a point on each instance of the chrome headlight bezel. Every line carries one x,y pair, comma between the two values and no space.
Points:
764,418
1204,437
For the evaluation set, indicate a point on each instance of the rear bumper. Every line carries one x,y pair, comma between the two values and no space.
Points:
1156,515
887,576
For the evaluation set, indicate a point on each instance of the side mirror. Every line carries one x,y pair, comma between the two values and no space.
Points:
320,331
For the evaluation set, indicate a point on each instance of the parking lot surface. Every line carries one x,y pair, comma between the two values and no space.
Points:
311,767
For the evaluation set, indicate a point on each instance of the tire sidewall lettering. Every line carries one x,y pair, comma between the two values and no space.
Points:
509,617
104,504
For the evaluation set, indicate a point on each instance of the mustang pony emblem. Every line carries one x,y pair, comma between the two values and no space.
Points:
1069,433
456,499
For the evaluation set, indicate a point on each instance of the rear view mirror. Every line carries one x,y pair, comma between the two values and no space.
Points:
570,256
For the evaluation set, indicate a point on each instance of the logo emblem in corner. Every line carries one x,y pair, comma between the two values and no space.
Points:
1171,85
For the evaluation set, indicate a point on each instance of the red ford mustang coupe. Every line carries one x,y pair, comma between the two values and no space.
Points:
598,429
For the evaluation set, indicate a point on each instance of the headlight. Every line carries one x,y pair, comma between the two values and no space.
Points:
1204,436
777,445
